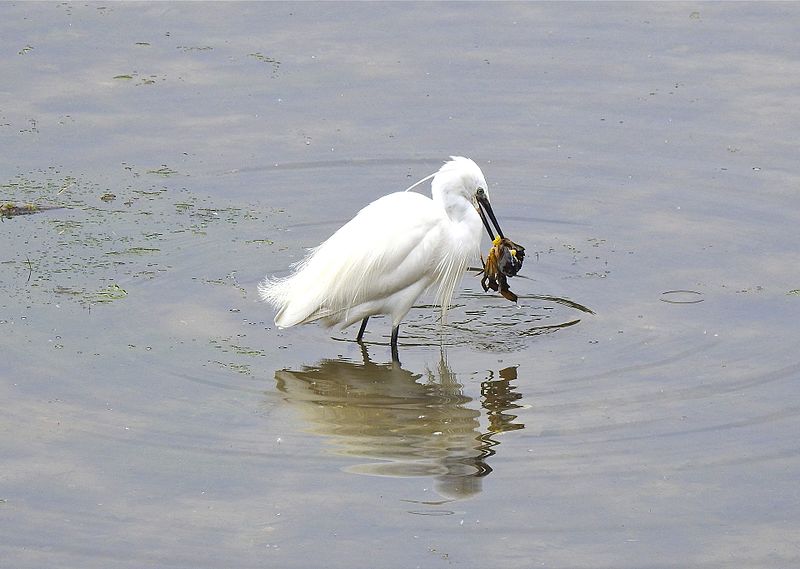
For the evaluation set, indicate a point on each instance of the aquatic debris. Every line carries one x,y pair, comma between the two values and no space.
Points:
69,181
9,209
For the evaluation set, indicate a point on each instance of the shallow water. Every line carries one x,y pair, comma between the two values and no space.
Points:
645,155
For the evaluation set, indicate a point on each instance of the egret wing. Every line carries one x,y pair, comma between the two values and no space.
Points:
391,244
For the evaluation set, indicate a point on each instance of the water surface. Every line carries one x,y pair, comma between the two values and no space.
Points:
645,155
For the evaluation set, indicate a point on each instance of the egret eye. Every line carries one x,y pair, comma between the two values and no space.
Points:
480,193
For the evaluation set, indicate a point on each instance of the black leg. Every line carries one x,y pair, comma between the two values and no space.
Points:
364,354
361,330
395,356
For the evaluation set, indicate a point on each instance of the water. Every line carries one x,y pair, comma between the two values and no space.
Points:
644,154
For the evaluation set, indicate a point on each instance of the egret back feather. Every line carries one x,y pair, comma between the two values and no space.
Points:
387,255
362,261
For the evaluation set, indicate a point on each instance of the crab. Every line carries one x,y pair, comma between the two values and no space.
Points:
504,260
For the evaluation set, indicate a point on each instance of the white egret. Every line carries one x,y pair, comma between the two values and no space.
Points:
391,252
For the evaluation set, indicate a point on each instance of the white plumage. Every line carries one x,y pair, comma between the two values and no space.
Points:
390,253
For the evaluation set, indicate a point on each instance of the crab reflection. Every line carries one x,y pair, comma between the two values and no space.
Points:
407,424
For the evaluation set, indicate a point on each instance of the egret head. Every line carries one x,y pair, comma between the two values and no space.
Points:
460,176
474,188
458,181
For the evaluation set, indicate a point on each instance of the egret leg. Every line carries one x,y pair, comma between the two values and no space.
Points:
364,353
361,330
395,355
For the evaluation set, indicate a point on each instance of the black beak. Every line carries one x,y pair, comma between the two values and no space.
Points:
484,209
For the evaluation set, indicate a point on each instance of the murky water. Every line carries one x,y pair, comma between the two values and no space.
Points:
645,155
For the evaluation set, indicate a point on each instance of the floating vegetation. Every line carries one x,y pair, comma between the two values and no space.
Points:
109,294
228,280
238,368
10,209
68,291
135,251
794,292
25,50
266,59
88,241
261,57
229,346
187,49
164,170
67,225
147,80
150,192
232,347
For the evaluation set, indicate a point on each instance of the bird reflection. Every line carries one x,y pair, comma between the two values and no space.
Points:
407,424
498,397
